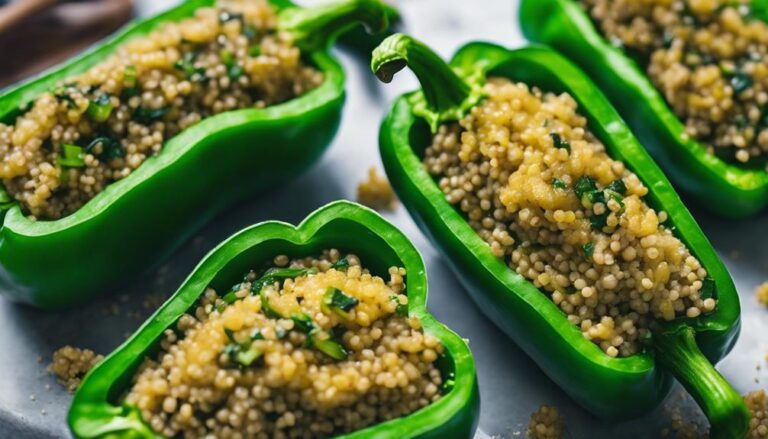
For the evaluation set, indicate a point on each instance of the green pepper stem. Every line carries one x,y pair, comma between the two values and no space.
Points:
677,351
317,27
446,96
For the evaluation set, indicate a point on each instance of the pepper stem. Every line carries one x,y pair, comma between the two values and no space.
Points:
317,27
677,351
445,95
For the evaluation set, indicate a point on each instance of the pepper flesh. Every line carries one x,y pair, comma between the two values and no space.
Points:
608,387
94,412
722,187
136,222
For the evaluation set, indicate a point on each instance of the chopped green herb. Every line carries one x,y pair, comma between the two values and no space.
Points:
303,323
148,115
335,300
331,349
266,307
617,186
254,50
246,357
402,309
584,185
559,184
250,31
230,335
130,77
589,249
741,82
280,332
187,65
110,148
559,142
63,93
341,300
546,123
230,297
100,109
72,157
235,72
226,57
599,221
341,264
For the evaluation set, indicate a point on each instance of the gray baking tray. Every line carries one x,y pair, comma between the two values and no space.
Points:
33,405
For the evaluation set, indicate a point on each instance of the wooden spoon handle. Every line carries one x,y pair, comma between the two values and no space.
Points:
19,10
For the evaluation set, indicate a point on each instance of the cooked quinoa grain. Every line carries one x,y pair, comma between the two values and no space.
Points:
540,189
757,403
761,293
96,128
376,192
70,364
546,423
708,58
329,349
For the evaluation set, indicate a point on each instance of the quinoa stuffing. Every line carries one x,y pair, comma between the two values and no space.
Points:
761,293
310,348
541,190
546,423
98,127
70,364
709,59
757,403
376,192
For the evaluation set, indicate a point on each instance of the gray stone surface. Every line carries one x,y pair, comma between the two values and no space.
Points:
32,405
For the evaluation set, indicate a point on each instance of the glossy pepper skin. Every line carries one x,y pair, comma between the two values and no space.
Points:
96,412
138,221
608,387
723,187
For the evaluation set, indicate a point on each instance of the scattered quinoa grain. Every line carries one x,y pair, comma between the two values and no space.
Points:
70,364
757,403
376,192
761,293
546,423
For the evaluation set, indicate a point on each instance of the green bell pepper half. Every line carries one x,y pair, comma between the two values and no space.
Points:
608,387
97,411
138,221
725,188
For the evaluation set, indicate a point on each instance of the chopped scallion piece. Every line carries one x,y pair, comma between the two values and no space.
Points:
336,301
303,323
559,142
589,249
148,115
559,184
341,264
100,109
110,148
331,349
254,50
246,357
72,157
